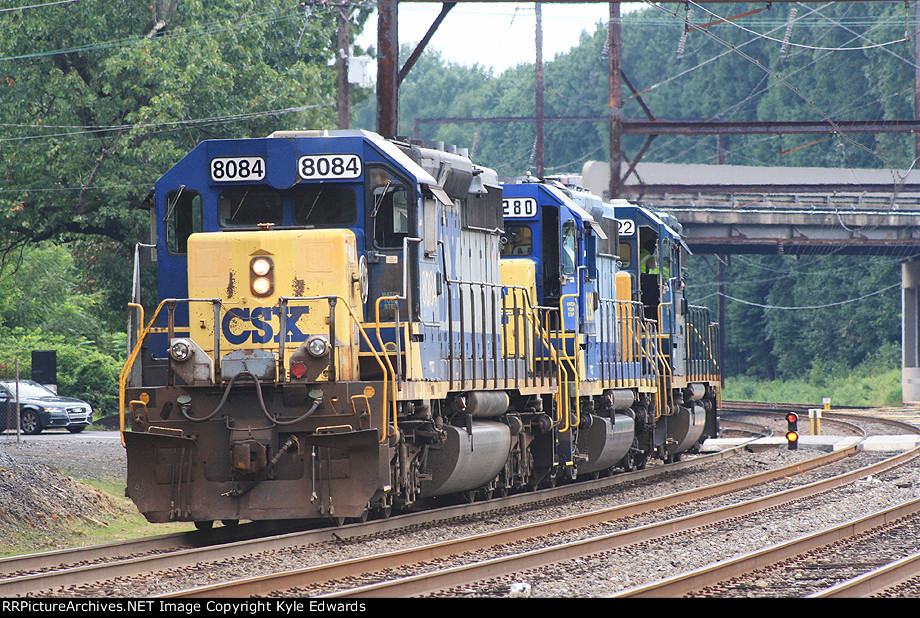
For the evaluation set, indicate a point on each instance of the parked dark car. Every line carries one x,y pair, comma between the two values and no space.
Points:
41,408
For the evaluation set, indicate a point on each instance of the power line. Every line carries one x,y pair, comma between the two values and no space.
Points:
38,6
843,302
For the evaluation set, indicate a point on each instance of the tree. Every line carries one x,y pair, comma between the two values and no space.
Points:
98,99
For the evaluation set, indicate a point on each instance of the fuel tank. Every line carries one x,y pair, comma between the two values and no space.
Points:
605,442
686,427
467,460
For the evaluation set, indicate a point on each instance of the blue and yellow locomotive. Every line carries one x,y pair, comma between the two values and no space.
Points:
349,324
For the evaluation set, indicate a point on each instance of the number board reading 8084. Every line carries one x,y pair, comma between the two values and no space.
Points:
234,169
336,167
310,167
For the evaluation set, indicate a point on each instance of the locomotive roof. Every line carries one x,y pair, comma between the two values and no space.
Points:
652,217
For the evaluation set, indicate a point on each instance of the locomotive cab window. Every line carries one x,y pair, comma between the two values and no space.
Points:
625,254
569,248
325,205
665,260
517,241
391,210
183,218
249,207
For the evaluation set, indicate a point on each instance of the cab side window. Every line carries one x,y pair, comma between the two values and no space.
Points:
517,241
183,218
569,248
390,209
625,255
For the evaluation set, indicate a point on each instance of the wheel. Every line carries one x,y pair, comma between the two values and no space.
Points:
230,523
629,462
30,423
76,429
641,460
204,525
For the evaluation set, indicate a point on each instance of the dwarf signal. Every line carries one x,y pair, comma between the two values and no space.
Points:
792,430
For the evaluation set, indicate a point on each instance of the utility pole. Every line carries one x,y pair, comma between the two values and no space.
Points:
343,40
614,49
538,144
387,68
917,75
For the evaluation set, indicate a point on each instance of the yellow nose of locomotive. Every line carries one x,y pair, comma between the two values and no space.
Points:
275,289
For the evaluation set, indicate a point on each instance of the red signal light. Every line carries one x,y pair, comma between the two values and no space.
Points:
792,430
298,369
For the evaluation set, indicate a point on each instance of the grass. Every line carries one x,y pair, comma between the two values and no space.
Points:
877,389
125,523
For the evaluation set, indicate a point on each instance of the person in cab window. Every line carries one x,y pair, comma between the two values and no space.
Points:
648,262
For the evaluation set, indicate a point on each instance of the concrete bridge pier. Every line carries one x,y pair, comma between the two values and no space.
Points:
910,337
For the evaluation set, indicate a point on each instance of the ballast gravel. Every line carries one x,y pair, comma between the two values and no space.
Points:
590,576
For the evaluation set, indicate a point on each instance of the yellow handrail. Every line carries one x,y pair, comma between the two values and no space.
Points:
387,357
129,362
708,343
667,369
571,362
132,357
542,330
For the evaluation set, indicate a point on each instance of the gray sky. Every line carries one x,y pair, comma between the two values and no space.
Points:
499,35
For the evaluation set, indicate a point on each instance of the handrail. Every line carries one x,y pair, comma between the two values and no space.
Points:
708,345
543,331
132,357
367,340
386,356
572,362
668,369
282,303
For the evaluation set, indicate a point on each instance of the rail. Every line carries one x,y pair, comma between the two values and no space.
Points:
473,328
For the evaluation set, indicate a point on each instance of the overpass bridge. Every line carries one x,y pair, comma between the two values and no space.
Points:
726,209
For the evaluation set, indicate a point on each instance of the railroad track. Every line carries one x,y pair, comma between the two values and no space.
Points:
66,570
446,581
865,557
68,581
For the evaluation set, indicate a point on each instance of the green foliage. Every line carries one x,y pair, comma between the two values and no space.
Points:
43,306
97,100
84,369
784,314
874,382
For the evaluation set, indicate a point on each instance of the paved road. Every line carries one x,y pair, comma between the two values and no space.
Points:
61,434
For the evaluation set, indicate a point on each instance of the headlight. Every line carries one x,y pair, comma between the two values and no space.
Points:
261,277
317,346
180,351
261,266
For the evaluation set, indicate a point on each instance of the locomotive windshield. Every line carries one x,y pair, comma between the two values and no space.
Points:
569,247
517,241
390,213
324,206
249,207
